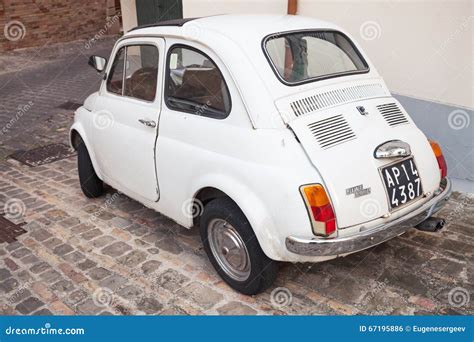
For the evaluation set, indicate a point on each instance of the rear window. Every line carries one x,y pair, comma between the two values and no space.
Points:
304,56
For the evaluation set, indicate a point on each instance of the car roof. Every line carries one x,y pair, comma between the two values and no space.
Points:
233,26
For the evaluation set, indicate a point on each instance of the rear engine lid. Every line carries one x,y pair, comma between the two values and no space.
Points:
340,129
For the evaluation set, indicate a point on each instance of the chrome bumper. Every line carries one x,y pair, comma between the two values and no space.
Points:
373,236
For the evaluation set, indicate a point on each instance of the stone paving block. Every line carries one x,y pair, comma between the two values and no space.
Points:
102,241
82,228
170,245
62,287
56,215
120,222
89,308
99,273
150,266
40,234
171,280
8,285
91,234
116,249
77,296
130,292
50,276
52,243
150,305
63,249
29,305
74,257
19,295
113,282
12,266
29,259
4,273
20,253
202,295
86,264
133,258
236,308
40,267
42,312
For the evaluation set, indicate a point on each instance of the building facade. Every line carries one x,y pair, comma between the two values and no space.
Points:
33,23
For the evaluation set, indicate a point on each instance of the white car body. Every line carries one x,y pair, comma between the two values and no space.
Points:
263,152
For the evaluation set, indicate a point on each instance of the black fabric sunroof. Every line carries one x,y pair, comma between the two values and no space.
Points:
174,22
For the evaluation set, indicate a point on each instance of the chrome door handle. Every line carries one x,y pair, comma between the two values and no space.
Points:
148,123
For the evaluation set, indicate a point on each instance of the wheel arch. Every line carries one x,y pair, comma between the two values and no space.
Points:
249,203
76,133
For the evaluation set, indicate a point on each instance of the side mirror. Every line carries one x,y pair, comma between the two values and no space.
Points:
97,62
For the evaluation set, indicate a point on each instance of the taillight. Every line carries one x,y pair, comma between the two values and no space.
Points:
320,209
443,167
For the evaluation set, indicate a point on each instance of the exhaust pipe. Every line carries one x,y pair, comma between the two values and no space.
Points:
431,224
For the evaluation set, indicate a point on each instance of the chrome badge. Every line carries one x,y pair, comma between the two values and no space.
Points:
358,191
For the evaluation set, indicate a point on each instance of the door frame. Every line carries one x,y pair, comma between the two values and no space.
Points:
160,44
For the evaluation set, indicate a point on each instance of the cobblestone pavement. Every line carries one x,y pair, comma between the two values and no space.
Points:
111,255
34,83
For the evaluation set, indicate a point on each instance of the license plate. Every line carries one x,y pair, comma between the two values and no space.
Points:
402,182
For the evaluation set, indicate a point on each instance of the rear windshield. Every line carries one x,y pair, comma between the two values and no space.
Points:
305,56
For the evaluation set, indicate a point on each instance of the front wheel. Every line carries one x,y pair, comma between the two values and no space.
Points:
233,248
91,184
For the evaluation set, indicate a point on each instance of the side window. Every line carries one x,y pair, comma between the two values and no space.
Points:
195,84
115,79
141,72
141,68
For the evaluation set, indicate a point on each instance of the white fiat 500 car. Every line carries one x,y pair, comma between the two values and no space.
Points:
277,130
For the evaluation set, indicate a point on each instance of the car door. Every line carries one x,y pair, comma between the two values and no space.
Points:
126,115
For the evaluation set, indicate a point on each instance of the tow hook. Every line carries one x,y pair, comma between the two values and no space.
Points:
431,224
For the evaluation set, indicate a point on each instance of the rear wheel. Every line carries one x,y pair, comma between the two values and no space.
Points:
91,185
233,248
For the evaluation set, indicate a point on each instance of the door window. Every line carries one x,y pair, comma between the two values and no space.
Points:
115,80
140,64
195,84
141,72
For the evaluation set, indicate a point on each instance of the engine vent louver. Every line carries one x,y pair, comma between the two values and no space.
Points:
392,114
331,131
335,97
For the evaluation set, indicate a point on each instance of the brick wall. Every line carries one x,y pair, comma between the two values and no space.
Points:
28,23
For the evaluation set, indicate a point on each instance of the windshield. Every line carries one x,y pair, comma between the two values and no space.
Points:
309,55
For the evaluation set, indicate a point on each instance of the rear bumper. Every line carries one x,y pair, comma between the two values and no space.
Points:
372,237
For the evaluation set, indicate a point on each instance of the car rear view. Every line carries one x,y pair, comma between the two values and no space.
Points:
377,166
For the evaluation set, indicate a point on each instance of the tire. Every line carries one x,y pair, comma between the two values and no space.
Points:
91,185
260,272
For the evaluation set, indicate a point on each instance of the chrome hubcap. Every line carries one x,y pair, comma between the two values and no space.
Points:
229,249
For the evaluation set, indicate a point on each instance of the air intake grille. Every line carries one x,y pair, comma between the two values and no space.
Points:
331,131
335,97
392,114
